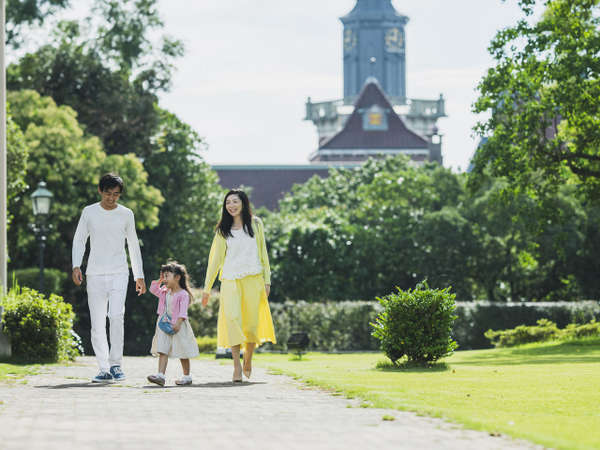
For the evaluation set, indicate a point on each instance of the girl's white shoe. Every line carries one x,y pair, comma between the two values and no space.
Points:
184,380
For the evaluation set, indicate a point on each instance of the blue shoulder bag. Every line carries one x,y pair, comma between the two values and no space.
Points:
165,324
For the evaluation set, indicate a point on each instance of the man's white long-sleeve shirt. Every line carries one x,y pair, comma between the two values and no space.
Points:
107,230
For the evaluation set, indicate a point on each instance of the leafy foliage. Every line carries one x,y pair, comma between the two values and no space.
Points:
544,331
40,328
542,92
20,13
54,279
107,69
417,324
207,344
192,199
16,160
361,232
71,163
331,326
475,318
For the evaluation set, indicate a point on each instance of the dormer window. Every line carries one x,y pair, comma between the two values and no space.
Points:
375,118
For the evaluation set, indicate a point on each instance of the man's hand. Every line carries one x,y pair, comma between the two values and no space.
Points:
205,297
77,276
268,289
140,286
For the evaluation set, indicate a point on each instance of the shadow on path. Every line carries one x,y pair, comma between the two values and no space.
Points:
89,384
223,384
85,384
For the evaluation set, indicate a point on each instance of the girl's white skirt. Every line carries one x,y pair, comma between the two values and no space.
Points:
181,345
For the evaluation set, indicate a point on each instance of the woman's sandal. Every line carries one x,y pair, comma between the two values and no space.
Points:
236,380
246,372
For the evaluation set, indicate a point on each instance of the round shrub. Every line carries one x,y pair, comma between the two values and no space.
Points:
417,324
40,329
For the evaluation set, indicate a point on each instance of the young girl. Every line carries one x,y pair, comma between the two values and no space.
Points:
239,253
173,292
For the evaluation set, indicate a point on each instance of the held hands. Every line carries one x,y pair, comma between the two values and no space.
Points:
140,286
77,276
205,297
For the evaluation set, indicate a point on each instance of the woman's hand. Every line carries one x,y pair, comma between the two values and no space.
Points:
268,289
205,297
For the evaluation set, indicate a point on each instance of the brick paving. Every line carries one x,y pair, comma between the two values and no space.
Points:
61,409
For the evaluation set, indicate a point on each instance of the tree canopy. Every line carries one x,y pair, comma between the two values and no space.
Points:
543,100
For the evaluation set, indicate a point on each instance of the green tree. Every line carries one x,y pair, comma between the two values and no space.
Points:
110,73
192,199
17,156
71,163
21,13
544,97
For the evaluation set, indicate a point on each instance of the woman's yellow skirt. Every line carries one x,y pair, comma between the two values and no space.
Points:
244,313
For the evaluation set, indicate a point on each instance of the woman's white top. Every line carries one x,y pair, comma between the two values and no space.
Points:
241,257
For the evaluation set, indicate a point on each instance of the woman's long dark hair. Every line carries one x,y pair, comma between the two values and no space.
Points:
184,279
224,225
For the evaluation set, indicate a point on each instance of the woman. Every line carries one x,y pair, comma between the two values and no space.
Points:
239,253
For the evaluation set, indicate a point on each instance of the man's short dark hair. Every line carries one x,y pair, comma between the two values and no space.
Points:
110,181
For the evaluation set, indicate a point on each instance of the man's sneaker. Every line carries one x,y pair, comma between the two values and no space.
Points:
156,379
184,381
117,373
102,377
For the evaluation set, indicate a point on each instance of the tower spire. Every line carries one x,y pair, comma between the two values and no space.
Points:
374,45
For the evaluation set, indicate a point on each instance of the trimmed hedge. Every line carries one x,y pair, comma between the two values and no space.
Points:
207,344
331,326
40,329
544,331
475,318
344,325
54,279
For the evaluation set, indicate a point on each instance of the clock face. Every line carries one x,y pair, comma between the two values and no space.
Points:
394,40
349,40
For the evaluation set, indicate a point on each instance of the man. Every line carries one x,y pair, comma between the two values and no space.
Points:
108,225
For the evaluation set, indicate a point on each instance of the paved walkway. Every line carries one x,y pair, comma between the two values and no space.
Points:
60,409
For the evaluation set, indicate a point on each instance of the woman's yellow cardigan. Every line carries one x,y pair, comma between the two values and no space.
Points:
218,249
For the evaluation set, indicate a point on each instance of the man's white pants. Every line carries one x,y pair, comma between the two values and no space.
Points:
106,294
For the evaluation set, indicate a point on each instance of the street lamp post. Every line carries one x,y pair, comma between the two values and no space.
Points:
41,201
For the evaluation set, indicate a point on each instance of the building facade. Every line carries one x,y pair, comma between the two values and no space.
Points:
374,119
374,43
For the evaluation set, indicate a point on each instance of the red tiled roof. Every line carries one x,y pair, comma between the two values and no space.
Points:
353,136
269,184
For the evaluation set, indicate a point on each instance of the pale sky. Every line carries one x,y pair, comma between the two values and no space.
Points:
251,64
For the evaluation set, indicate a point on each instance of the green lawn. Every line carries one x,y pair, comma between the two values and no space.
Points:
14,372
545,393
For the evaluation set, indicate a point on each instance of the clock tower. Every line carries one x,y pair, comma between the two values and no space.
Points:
374,46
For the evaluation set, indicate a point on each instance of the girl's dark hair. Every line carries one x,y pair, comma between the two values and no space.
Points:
224,225
110,181
179,269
